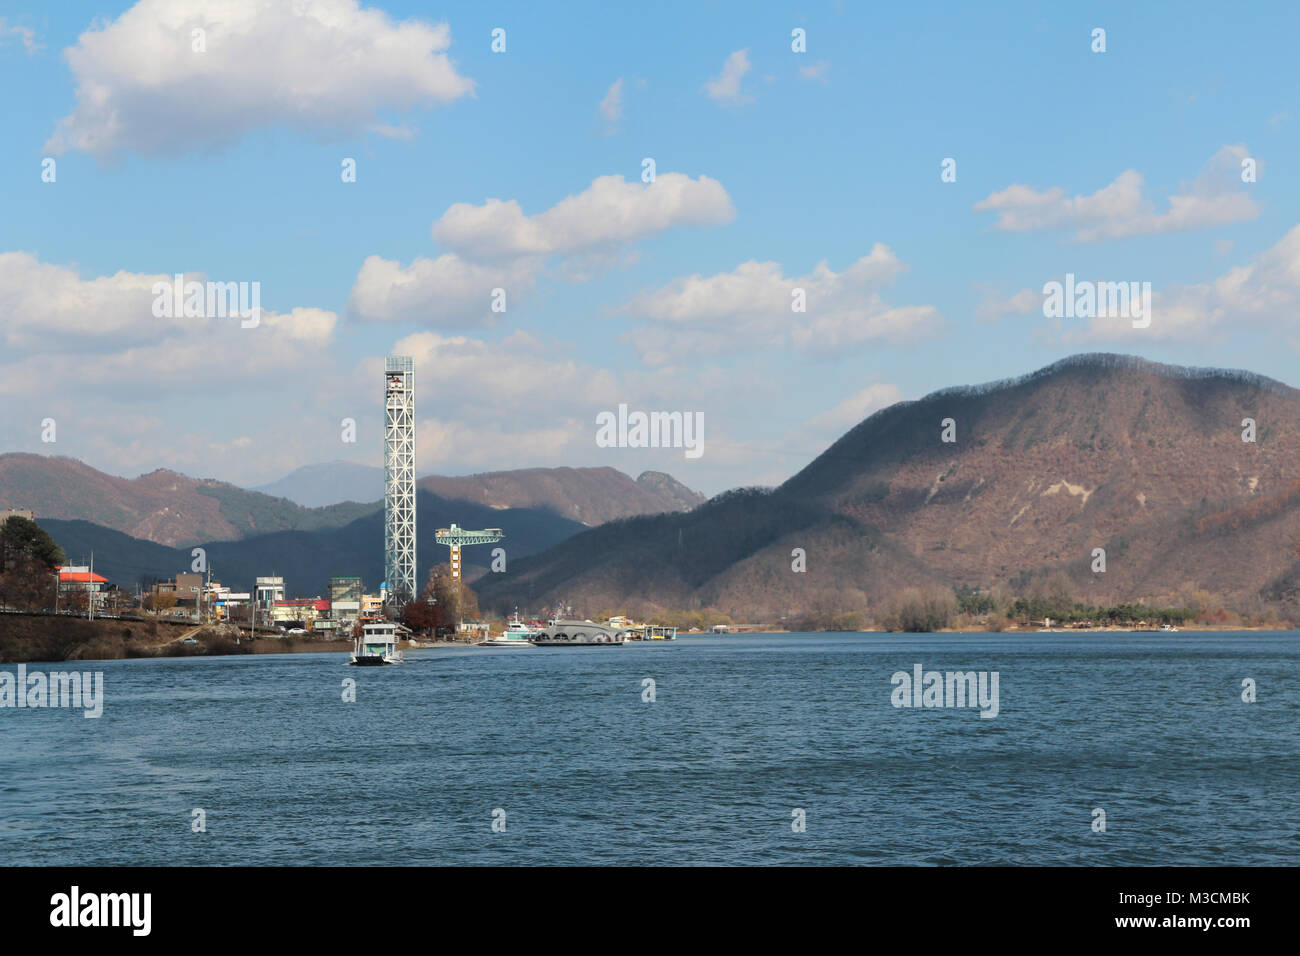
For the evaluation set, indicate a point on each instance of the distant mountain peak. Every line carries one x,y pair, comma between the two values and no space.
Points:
669,488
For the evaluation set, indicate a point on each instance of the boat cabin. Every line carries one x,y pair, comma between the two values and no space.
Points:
377,644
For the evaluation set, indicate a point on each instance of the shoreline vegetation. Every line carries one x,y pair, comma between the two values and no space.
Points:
26,639
48,639
1049,604
1027,603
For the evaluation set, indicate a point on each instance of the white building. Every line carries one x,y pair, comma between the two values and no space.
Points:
269,591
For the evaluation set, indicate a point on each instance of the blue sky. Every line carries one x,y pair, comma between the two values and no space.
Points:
225,164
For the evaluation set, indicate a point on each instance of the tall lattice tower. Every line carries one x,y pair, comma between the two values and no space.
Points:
399,478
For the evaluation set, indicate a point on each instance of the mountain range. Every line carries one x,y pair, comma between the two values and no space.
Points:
591,496
169,508
146,527
1146,462
307,559
1130,480
163,507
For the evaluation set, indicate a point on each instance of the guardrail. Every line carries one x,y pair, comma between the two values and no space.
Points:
108,615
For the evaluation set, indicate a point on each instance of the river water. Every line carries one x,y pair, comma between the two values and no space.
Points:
780,749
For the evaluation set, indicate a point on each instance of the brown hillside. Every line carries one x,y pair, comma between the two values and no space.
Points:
591,496
171,509
1144,460
163,507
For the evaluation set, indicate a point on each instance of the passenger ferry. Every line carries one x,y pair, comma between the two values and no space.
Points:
517,634
376,646
578,634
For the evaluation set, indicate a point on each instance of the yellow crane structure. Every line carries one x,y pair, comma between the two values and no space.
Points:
457,538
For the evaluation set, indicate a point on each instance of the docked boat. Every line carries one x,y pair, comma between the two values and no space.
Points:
517,634
642,632
578,634
376,646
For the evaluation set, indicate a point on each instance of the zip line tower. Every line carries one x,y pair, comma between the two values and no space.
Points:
399,479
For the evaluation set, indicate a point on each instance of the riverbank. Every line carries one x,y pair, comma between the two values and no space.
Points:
33,639
26,639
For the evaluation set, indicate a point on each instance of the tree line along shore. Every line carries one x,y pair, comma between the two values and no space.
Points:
36,638
27,555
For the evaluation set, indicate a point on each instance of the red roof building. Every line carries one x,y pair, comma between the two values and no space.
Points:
80,577
74,580
312,603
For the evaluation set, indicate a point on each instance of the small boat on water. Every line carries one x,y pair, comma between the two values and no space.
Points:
578,634
1168,627
376,646
517,634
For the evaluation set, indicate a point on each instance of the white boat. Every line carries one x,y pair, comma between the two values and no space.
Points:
1167,627
579,634
376,646
642,632
517,634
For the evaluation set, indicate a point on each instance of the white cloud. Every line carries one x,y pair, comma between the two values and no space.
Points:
725,87
1119,210
542,404
495,245
203,360
522,374
131,393
328,66
50,307
610,210
751,307
447,291
817,71
1261,296
101,334
1022,303
25,35
611,107
389,131
536,410
848,413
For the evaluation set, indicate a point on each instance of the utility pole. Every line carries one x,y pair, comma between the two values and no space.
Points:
90,589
